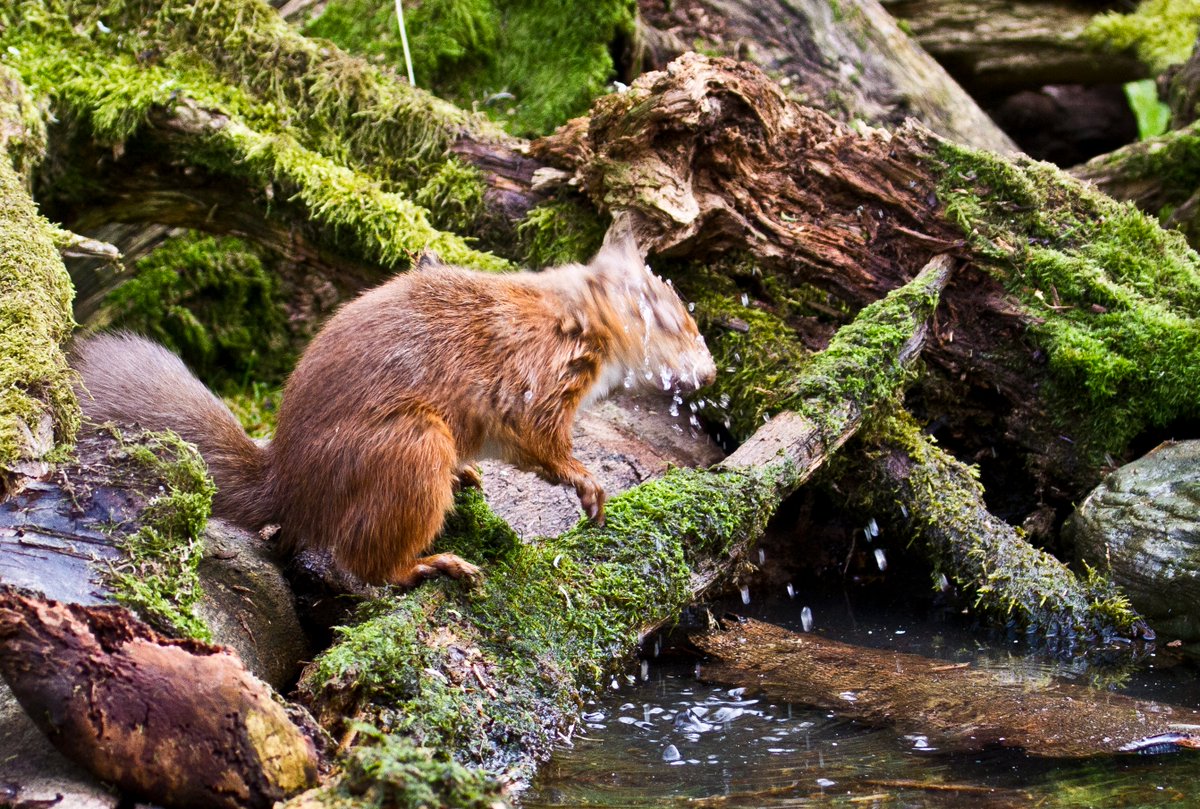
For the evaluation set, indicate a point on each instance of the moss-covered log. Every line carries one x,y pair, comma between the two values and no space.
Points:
38,413
496,674
1075,316
902,476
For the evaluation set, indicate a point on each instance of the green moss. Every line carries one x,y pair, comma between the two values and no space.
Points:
1160,32
35,319
256,405
306,123
24,124
213,302
530,65
158,577
559,232
1112,296
764,369
490,671
390,772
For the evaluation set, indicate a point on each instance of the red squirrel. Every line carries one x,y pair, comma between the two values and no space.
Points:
404,387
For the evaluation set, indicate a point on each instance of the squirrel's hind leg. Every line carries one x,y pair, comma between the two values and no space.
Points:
397,497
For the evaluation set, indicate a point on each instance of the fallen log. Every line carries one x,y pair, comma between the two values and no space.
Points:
852,61
180,723
496,674
996,46
955,707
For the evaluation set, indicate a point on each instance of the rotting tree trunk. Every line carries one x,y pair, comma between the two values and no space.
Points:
849,59
179,722
996,46
956,706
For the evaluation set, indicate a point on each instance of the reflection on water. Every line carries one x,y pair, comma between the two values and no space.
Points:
662,738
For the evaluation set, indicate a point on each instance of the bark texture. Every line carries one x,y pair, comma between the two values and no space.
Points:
179,722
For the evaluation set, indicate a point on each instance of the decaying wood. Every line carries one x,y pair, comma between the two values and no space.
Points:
178,722
1004,46
958,707
850,60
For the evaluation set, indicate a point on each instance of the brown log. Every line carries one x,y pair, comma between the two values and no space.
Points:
850,60
956,706
179,723
1002,46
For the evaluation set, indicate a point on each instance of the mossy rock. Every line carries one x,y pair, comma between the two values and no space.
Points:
1141,526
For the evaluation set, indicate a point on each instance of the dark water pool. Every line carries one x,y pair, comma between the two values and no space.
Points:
660,737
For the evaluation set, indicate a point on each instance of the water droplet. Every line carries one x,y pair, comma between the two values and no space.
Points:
673,410
791,591
645,670
745,299
691,306
806,619
881,559
615,685
628,380
762,556
528,396
873,528
745,591
823,783
943,583
671,753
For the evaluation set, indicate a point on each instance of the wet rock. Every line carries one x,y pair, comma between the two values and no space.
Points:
1141,526
623,440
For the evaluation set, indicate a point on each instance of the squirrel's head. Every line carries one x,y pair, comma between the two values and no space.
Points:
663,347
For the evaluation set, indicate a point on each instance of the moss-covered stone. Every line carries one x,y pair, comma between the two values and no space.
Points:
38,411
529,65
1111,296
1160,32
158,578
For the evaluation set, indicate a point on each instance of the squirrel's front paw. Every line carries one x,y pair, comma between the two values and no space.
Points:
591,497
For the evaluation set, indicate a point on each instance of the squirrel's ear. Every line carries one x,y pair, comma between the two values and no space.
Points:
428,259
620,251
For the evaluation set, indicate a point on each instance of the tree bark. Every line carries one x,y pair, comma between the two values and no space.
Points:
998,47
848,59
179,722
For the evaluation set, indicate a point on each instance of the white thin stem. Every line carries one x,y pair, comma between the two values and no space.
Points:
404,43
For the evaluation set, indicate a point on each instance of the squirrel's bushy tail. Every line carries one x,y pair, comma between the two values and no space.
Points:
129,379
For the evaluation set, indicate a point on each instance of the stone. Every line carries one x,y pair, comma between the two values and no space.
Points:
1141,526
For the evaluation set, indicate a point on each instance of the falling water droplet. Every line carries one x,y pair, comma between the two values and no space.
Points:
762,556
671,753
645,670
806,619
943,583
791,591
873,528
745,591
745,299
881,559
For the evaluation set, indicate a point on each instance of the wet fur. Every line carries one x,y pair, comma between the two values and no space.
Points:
403,388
